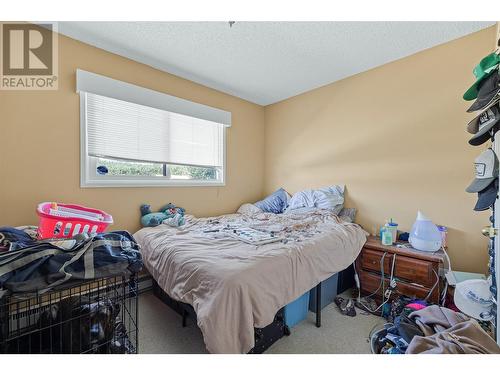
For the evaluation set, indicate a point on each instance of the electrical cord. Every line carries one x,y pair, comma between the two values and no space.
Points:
382,283
447,258
433,287
443,295
445,289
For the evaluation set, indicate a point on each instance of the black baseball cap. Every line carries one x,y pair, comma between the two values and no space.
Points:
486,198
487,93
481,125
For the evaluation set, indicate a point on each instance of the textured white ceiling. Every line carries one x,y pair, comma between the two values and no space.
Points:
265,62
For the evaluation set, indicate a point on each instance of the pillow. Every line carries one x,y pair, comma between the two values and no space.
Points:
301,199
275,203
348,214
328,198
248,209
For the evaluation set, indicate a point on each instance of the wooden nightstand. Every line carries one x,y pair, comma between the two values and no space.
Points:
416,272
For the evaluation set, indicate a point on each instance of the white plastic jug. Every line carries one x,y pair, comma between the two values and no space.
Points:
425,235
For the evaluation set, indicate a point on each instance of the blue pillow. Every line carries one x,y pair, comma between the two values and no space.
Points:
275,203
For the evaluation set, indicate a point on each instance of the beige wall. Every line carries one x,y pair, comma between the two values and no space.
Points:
39,149
395,135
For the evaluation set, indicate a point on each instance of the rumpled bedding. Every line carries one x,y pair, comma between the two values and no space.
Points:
234,286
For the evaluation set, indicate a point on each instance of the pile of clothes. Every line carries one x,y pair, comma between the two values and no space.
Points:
17,238
28,265
417,328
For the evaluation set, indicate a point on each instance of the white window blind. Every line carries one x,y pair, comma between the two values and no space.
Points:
112,88
124,130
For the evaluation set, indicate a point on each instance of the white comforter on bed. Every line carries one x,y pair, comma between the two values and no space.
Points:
234,286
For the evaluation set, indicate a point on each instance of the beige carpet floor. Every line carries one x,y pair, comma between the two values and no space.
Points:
160,331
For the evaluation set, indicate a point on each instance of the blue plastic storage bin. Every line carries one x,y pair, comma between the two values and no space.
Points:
296,311
328,293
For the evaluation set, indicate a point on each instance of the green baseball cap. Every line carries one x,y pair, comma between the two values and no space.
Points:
481,71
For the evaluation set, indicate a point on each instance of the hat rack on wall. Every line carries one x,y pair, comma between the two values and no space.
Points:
484,94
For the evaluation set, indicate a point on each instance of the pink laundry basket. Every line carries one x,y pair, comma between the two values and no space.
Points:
58,220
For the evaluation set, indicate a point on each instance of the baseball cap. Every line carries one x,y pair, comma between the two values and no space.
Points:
481,71
473,297
481,125
486,198
488,91
486,169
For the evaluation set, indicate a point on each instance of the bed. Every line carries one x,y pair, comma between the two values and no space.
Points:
234,286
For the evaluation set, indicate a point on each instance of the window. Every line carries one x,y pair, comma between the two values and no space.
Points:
133,168
128,143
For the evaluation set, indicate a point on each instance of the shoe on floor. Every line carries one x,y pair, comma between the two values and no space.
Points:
367,304
346,306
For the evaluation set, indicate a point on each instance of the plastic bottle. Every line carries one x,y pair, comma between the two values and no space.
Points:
393,227
386,236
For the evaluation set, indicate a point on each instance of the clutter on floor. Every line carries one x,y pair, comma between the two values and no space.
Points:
432,330
468,310
345,305
422,326
67,286
414,327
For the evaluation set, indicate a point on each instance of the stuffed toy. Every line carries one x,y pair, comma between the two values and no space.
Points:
168,214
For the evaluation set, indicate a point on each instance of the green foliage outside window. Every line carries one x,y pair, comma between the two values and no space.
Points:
124,168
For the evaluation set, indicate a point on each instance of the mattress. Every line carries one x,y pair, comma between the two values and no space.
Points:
235,286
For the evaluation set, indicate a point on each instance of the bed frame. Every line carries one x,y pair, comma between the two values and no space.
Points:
264,337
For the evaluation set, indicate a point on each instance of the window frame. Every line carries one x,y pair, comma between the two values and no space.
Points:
89,177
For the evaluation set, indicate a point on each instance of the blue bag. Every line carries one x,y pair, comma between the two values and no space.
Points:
46,265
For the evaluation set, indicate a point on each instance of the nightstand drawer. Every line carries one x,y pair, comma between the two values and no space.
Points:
370,282
415,270
370,260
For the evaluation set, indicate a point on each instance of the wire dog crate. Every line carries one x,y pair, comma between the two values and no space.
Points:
97,317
